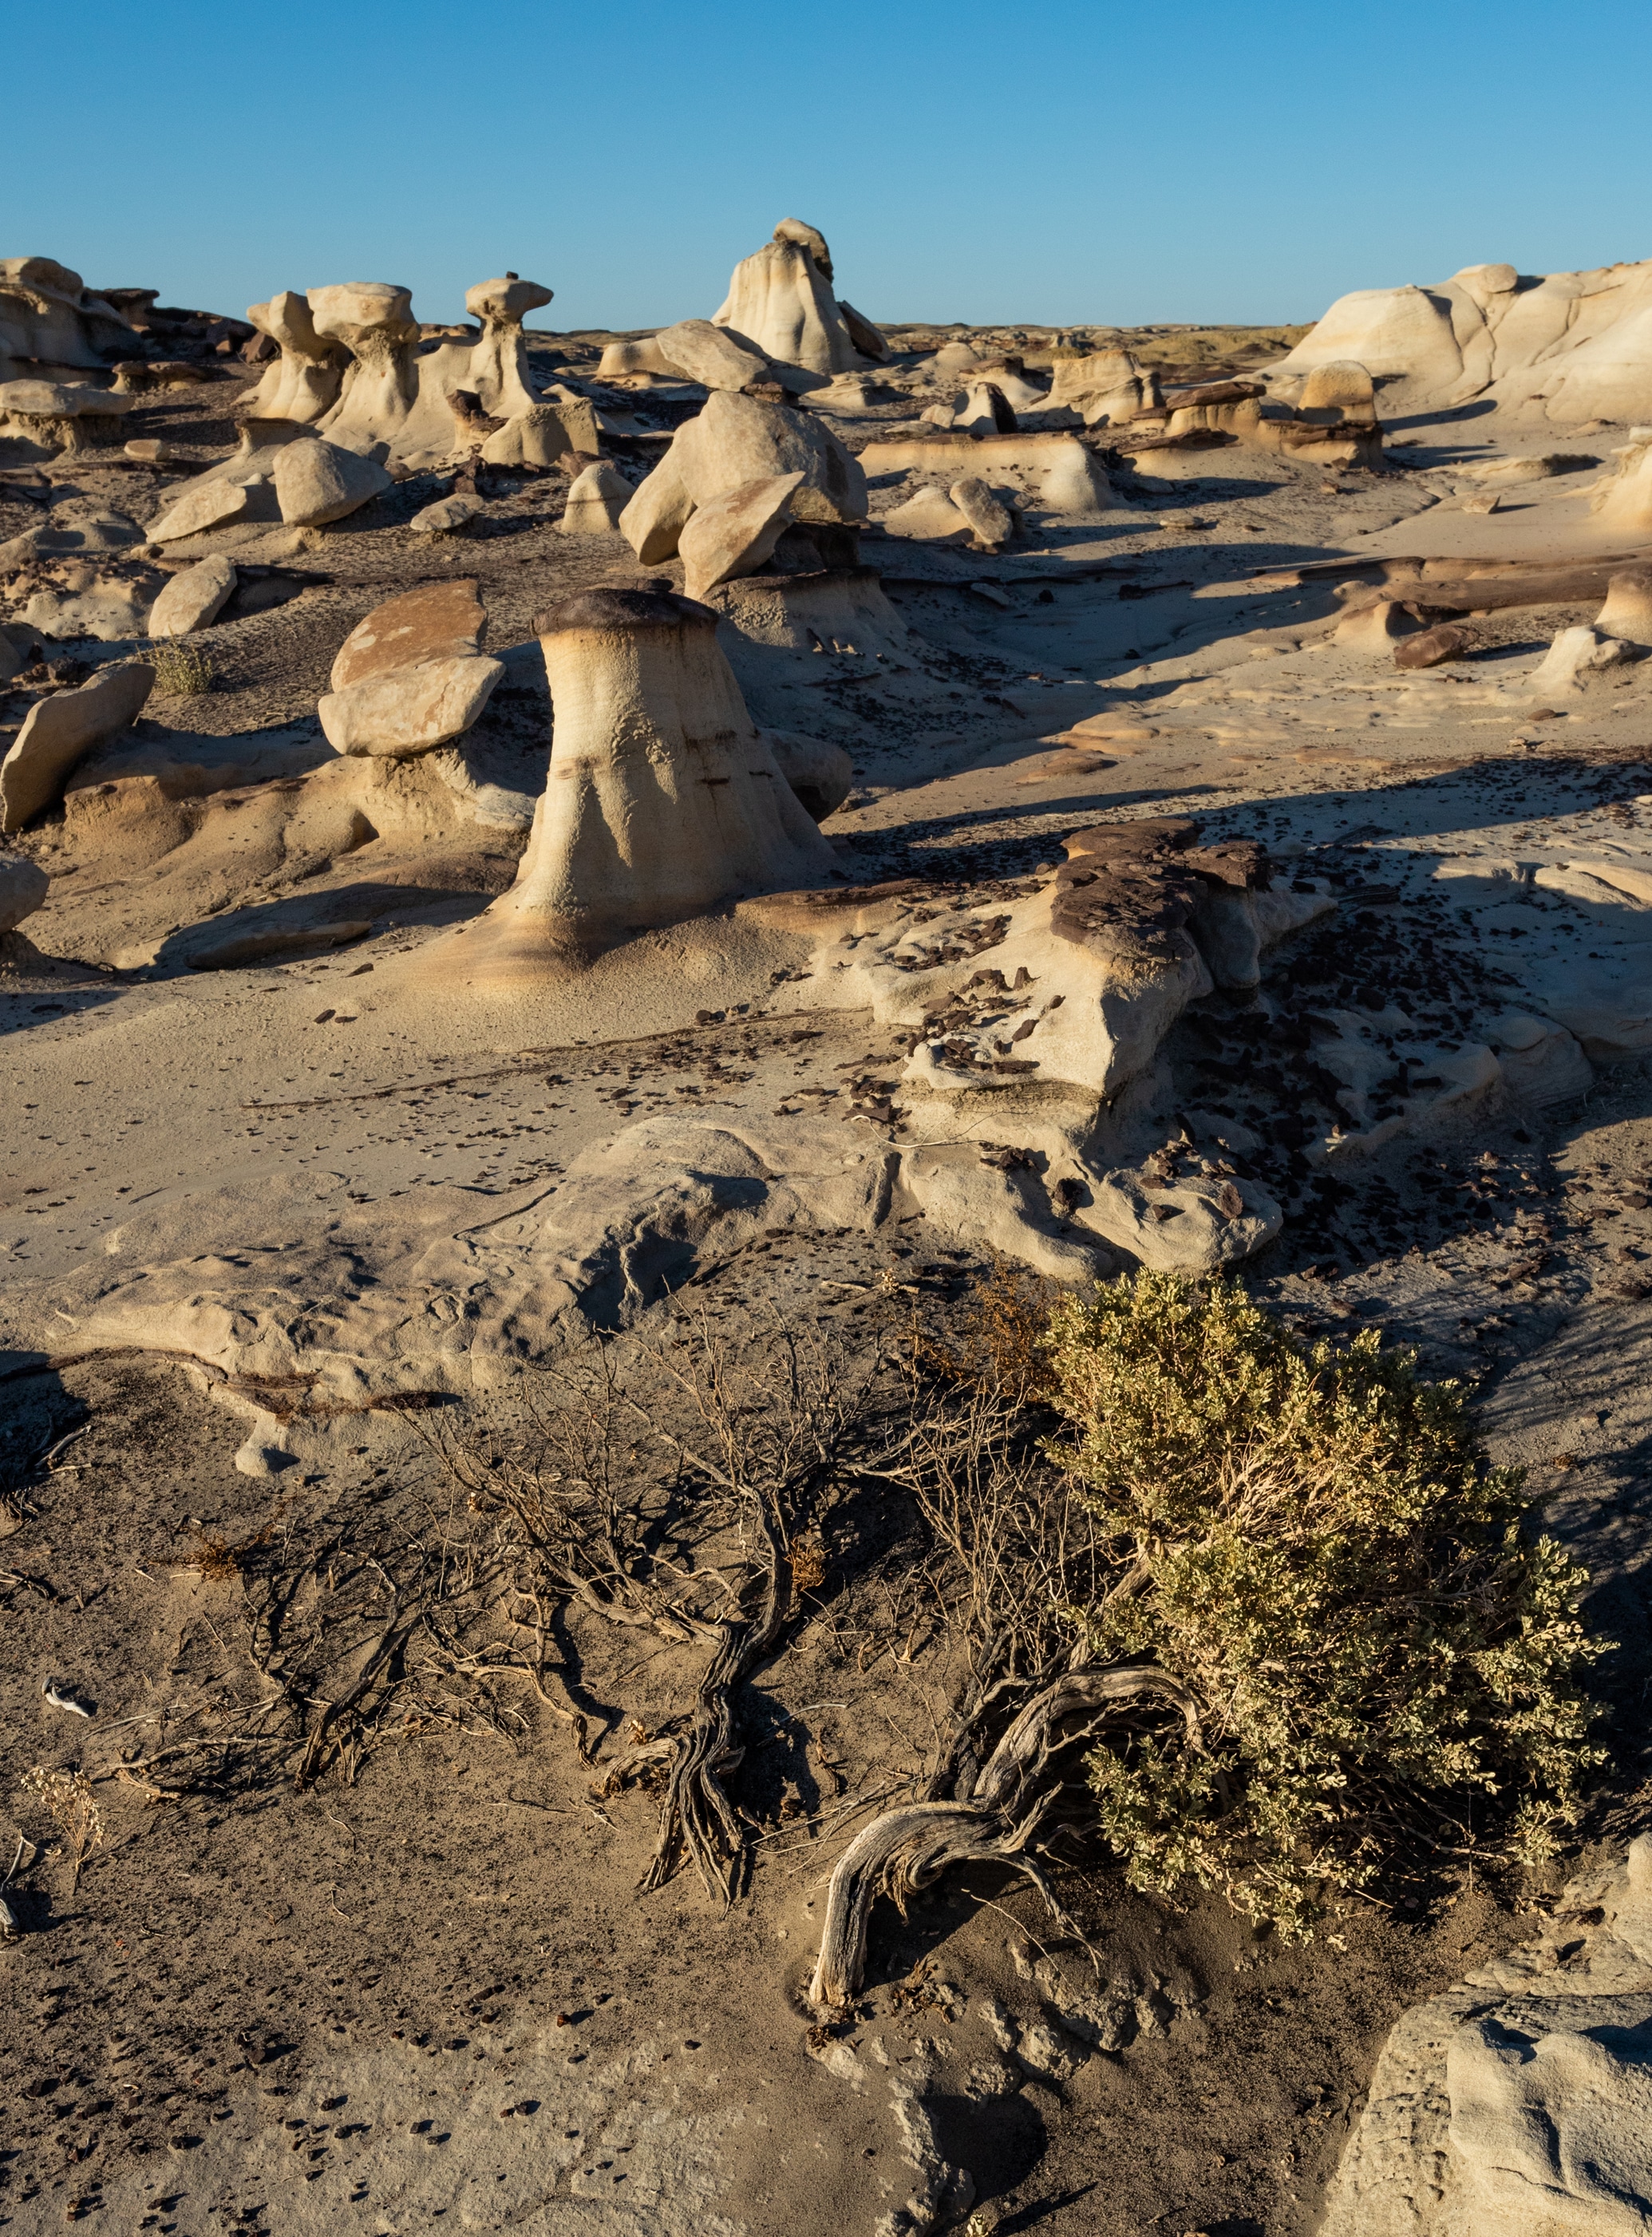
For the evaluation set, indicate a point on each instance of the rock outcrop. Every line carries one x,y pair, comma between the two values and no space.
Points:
1519,2104
49,321
60,731
663,798
1568,347
734,442
64,415
782,300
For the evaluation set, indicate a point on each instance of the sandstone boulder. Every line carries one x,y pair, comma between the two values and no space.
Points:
659,510
60,731
1374,628
546,434
1430,647
23,886
930,516
989,521
448,516
819,772
317,481
204,505
734,533
715,356
194,598
1340,389
984,411
596,500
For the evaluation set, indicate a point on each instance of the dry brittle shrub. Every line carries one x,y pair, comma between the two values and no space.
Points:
1312,1540
66,1798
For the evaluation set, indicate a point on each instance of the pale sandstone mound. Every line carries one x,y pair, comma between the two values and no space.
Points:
1107,388
61,731
1519,2103
663,799
412,675
1576,655
1628,610
317,482
1623,500
782,299
1572,346
48,319
596,496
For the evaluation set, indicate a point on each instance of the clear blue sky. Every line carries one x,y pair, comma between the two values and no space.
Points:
1058,162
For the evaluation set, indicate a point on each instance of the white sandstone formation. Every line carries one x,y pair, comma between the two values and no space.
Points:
62,416
1568,347
1107,388
699,349
49,323
663,798
193,598
497,370
412,676
317,481
782,300
60,731
1374,628
929,515
597,497
985,410
1574,655
302,384
1518,2103
305,482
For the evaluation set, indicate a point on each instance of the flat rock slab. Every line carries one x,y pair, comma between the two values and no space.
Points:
438,621
60,731
410,711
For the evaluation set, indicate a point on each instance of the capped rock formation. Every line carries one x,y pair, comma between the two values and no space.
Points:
782,299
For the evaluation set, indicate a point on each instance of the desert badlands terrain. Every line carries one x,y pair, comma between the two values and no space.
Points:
553,950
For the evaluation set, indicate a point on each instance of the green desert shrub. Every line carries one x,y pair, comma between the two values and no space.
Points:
1313,1541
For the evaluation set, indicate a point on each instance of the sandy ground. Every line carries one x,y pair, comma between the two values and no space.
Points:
420,1987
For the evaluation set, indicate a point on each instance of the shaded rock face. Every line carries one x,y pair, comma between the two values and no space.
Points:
1130,891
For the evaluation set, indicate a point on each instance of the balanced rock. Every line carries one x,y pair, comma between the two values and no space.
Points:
23,886
194,598
318,481
60,731
597,497
736,532
62,416
989,520
411,676
663,797
713,355
744,439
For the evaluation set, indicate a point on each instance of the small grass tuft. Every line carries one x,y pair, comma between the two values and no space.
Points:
182,671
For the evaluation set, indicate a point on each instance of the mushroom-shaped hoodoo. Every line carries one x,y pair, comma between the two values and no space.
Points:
498,371
374,322
663,798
